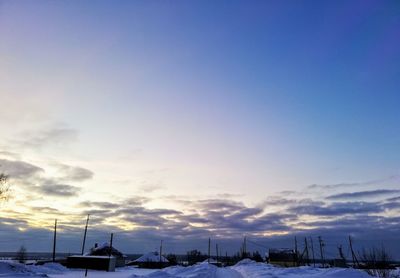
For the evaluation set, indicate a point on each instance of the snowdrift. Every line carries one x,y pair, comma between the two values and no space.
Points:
243,269
13,269
248,268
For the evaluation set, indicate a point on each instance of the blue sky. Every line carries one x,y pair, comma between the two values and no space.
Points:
199,102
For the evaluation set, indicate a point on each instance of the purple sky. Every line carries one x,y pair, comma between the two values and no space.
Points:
183,120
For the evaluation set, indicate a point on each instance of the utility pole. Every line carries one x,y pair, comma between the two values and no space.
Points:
216,249
295,251
321,244
209,249
312,250
84,235
111,243
306,246
54,240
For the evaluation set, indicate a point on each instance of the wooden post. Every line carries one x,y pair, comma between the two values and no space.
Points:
321,244
84,235
161,254
306,246
111,242
54,240
209,250
245,247
312,250
216,249
295,252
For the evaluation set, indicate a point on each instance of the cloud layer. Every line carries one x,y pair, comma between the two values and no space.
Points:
367,215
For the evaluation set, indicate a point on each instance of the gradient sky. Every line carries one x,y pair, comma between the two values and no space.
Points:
180,120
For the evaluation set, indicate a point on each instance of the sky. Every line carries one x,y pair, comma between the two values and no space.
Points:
183,120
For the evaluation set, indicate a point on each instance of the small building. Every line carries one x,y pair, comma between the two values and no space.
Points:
150,260
213,262
105,250
339,263
106,263
282,256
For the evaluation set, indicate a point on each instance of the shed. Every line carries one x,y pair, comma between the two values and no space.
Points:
106,263
105,250
282,256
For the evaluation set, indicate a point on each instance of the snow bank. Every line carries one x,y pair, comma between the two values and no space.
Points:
49,268
202,270
14,269
248,268
246,262
157,274
244,269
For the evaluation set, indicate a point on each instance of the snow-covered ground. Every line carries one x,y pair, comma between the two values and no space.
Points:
244,269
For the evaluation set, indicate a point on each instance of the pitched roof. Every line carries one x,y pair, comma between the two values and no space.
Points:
151,257
104,250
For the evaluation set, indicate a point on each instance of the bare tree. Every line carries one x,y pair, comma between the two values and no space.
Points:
21,255
377,262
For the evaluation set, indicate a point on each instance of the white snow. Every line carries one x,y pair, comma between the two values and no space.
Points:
14,269
151,257
244,269
212,261
248,268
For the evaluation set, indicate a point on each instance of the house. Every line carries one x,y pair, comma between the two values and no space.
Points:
105,250
282,256
150,260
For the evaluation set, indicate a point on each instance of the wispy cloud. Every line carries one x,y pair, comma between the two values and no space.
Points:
338,209
354,184
59,134
102,205
59,190
74,173
19,169
394,199
362,194
33,178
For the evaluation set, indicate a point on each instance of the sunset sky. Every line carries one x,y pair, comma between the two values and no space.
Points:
183,120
